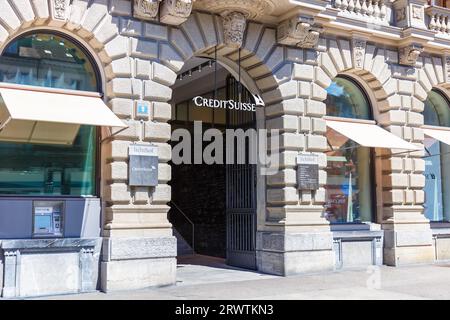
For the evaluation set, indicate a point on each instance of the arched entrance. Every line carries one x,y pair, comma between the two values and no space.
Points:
214,198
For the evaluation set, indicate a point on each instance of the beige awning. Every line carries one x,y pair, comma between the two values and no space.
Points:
50,116
368,134
439,133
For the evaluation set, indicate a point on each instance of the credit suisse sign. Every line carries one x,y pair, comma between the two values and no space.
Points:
229,104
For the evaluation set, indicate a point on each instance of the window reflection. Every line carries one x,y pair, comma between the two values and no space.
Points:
47,60
349,174
349,188
437,161
346,100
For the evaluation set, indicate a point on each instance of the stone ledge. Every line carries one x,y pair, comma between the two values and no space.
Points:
138,248
44,244
295,242
357,235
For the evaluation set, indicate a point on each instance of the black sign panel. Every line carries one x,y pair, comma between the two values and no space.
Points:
143,166
307,172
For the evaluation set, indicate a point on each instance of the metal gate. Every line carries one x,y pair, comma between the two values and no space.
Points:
241,190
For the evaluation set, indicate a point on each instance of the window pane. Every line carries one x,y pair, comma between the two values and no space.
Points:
345,99
203,114
182,111
47,60
33,169
220,116
349,185
37,169
436,110
433,181
437,172
349,169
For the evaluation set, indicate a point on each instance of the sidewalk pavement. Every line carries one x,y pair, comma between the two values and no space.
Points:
211,279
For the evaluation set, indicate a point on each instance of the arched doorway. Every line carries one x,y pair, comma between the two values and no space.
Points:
213,207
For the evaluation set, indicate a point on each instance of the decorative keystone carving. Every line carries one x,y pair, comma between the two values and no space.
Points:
359,51
253,9
299,31
408,55
175,12
59,9
234,25
146,9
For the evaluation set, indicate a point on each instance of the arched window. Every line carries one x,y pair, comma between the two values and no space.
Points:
437,160
349,168
49,60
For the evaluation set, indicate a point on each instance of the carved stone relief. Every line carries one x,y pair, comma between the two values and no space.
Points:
59,9
408,55
299,31
234,25
175,12
359,52
146,9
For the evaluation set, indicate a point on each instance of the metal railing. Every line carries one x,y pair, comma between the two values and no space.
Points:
173,205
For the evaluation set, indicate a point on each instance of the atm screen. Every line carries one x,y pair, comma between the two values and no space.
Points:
48,218
43,224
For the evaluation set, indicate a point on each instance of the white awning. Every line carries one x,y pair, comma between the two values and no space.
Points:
368,134
438,133
50,116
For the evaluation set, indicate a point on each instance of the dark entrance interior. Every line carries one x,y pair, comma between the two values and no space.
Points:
213,207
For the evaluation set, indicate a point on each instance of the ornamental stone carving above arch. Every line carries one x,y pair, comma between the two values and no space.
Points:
234,26
59,9
252,9
300,31
146,9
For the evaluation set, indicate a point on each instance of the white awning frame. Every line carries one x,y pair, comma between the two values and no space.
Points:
356,129
51,116
441,134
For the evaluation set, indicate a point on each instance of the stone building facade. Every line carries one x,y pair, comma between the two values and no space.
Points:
291,51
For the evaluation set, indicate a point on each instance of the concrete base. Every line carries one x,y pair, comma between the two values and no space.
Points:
50,266
408,247
138,274
290,254
358,249
137,263
441,241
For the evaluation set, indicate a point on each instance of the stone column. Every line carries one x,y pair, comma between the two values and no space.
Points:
296,238
139,250
407,234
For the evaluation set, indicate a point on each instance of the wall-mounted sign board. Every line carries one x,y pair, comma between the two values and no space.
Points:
307,171
143,165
